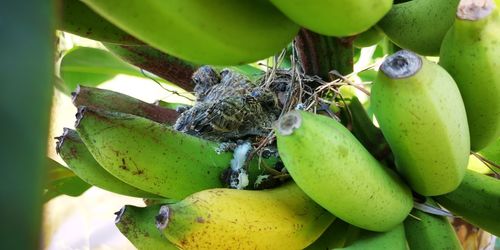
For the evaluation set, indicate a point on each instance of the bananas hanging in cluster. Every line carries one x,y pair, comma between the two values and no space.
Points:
341,196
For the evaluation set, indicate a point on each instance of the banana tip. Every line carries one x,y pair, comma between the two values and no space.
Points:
79,115
474,10
401,64
119,214
289,122
163,217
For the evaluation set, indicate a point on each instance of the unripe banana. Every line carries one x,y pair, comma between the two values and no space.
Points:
337,172
419,25
280,218
335,236
476,200
108,100
419,109
471,54
430,232
76,155
394,239
138,225
369,37
168,67
80,20
153,156
220,32
335,18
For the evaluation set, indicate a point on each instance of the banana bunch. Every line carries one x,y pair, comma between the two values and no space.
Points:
354,185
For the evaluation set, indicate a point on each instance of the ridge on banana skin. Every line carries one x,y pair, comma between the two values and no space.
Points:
280,218
422,116
338,173
471,54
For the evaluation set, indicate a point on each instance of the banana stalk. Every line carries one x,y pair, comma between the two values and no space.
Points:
138,225
280,218
113,101
76,155
168,67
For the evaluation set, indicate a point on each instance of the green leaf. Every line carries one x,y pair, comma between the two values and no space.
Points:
61,180
91,67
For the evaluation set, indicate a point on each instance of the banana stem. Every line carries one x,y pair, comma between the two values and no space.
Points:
168,67
113,101
320,54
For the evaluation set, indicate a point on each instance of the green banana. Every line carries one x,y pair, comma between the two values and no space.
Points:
419,25
335,236
76,155
80,20
393,239
477,200
113,101
335,18
419,109
219,32
168,67
138,225
280,218
471,54
338,173
430,231
153,156
369,37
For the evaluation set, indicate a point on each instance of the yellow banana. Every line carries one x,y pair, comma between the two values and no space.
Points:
335,18
419,25
337,172
419,109
280,218
476,200
471,54
220,32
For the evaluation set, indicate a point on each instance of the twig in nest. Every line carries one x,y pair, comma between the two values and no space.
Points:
161,86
